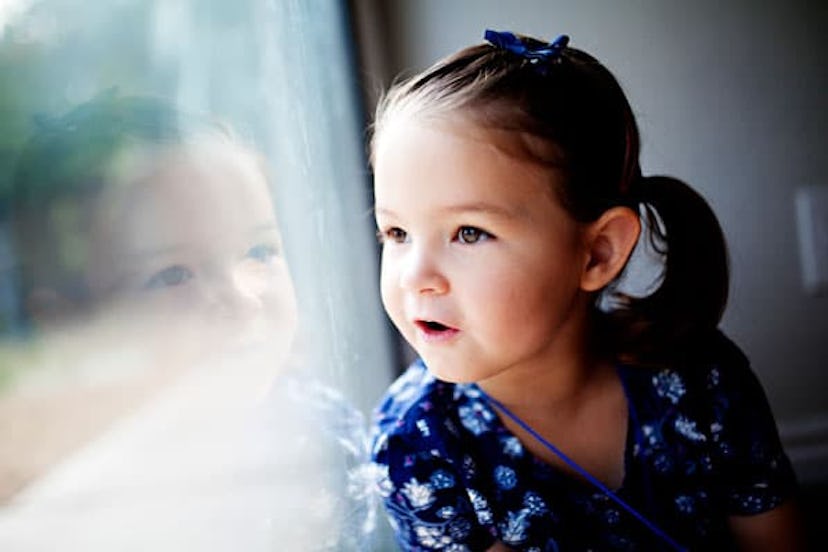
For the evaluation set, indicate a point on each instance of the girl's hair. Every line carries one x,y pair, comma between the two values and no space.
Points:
568,113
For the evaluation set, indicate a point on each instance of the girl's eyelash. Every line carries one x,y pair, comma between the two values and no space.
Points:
393,234
471,234
169,277
464,234
263,252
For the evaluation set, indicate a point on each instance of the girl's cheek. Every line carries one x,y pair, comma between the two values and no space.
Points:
388,287
254,279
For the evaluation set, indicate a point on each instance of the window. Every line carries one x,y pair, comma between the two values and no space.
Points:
190,322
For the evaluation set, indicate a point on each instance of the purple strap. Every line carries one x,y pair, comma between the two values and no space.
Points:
586,475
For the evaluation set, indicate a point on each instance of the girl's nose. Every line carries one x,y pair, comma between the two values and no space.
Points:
232,297
421,273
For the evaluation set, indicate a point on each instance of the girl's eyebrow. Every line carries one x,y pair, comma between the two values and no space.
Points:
165,250
474,207
176,248
383,211
264,228
487,209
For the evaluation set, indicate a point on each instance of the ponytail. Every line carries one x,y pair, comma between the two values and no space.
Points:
688,304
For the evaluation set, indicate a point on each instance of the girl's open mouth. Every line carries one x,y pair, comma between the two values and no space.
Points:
432,329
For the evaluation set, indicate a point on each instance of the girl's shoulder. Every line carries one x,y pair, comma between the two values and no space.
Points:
707,418
710,399
714,366
715,349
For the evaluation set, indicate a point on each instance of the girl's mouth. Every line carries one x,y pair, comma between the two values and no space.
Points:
433,330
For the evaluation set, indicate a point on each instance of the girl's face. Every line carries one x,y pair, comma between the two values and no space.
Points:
190,250
481,265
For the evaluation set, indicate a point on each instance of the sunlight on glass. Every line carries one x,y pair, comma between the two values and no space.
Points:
177,369
10,10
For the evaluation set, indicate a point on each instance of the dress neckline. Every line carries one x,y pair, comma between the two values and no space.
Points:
570,479
632,438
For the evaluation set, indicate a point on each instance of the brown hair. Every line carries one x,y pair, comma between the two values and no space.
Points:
569,114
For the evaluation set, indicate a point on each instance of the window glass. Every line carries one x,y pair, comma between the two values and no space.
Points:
190,335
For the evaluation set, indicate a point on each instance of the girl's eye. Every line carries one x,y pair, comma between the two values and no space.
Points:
396,235
470,234
262,252
169,277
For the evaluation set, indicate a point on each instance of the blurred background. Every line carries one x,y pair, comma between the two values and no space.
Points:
191,331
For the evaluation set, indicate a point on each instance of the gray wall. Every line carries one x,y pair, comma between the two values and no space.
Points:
730,97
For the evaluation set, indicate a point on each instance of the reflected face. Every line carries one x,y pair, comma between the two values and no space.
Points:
191,248
481,265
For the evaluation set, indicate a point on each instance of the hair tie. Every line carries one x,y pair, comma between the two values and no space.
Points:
511,43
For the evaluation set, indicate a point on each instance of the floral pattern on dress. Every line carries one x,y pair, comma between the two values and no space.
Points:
701,446
669,385
476,417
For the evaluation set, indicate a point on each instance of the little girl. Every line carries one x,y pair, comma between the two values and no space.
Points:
550,410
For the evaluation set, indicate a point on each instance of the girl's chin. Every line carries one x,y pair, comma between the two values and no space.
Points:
449,374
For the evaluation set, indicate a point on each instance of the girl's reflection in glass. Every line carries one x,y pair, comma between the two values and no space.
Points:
151,266
130,214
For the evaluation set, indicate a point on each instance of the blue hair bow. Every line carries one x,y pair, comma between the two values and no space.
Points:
509,42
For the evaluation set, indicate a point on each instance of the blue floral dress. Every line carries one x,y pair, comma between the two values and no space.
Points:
701,446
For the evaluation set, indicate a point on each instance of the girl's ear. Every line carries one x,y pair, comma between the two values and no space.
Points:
609,243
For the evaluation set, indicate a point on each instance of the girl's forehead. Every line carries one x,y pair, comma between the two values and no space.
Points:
184,196
197,171
466,127
414,148
453,166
